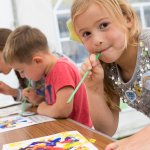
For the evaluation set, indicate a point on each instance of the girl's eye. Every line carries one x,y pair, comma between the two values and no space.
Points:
103,25
86,34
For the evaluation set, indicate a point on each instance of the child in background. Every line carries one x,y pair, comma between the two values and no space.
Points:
114,31
5,69
38,87
27,52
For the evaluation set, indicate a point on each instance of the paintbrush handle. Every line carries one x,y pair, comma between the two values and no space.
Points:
25,99
23,105
79,84
81,81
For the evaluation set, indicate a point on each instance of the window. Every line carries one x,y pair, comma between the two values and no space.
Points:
62,19
143,11
147,15
72,49
75,51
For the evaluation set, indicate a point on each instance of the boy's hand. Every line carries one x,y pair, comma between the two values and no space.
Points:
31,95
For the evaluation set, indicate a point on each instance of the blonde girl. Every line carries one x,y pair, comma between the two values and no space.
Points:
111,27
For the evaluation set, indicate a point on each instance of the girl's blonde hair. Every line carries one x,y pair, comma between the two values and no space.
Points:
119,10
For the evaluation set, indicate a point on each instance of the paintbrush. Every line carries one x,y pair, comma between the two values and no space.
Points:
25,99
81,81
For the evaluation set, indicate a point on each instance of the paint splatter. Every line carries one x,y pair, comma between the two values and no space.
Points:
71,140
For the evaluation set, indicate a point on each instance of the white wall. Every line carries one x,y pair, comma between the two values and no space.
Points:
6,14
38,13
12,81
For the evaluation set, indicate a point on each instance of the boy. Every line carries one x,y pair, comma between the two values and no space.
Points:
37,87
27,52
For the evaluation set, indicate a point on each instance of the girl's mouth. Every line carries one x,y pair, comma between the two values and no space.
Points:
101,50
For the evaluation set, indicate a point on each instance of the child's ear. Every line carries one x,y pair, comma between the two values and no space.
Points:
129,21
37,59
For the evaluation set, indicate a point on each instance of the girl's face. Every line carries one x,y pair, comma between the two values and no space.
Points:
99,33
5,69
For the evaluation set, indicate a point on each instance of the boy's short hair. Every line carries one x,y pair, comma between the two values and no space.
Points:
4,33
23,43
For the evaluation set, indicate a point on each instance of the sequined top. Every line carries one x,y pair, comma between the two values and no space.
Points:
136,92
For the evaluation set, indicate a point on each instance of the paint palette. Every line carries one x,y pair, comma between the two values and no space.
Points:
62,141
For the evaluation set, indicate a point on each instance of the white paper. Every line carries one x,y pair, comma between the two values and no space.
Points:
65,140
7,100
17,121
4,112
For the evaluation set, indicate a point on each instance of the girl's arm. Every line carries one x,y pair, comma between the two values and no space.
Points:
104,118
60,109
139,141
7,90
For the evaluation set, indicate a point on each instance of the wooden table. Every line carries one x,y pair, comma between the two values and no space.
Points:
53,127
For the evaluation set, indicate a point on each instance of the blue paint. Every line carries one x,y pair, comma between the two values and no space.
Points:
53,143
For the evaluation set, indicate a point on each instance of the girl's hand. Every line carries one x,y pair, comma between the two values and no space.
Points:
139,141
7,90
96,73
31,95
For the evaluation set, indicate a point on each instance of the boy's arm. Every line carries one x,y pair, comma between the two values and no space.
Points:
60,109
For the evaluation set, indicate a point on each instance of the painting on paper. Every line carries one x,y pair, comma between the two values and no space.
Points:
14,122
69,140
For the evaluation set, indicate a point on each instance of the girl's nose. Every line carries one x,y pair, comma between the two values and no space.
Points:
97,40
